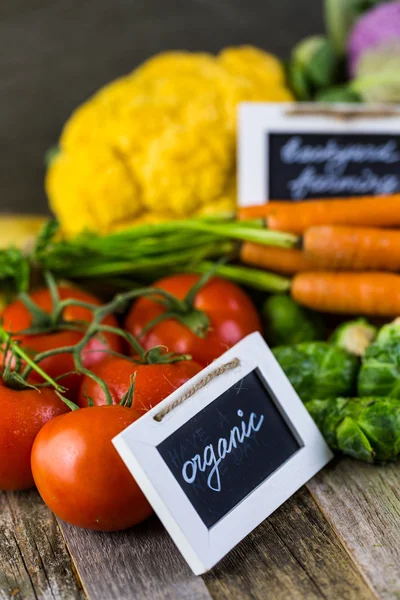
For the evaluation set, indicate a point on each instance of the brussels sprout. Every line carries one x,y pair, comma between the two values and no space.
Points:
298,81
380,370
317,59
354,336
318,369
338,93
286,322
365,428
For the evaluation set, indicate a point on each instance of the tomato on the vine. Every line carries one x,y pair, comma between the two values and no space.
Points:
153,383
17,318
81,476
22,414
230,312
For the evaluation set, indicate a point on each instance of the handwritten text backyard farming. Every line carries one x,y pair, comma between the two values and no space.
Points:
335,158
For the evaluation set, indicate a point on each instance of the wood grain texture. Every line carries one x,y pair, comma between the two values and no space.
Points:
34,562
293,555
362,503
55,53
141,564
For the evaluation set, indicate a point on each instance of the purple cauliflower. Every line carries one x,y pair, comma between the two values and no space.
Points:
376,28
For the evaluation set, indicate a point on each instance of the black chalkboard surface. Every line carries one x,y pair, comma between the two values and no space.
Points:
313,165
226,450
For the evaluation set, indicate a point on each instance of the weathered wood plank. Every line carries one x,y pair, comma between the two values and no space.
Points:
34,562
141,564
294,554
362,503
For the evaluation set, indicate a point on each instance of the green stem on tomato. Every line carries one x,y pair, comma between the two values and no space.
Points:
81,369
32,364
16,349
132,341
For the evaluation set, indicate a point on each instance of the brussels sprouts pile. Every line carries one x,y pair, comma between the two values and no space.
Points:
349,384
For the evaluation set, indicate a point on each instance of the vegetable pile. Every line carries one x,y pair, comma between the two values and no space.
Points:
73,377
358,60
356,360
347,259
137,286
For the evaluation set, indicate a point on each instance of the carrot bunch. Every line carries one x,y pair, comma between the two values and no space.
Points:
348,258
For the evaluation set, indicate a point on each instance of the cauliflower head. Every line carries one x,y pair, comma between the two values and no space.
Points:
160,142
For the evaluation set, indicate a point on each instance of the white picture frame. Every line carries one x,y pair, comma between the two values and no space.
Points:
256,120
137,445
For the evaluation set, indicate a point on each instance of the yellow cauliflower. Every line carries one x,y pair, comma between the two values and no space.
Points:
160,142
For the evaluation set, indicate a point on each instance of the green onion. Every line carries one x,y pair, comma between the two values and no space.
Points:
162,248
255,278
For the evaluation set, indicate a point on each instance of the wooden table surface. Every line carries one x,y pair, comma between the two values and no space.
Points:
336,538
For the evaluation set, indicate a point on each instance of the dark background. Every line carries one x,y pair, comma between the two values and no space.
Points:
55,53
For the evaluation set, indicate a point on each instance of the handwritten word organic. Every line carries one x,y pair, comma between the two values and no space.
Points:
209,461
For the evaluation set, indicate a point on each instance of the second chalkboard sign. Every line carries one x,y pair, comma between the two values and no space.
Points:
223,451
290,153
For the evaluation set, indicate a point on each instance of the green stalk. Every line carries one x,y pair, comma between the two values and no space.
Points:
255,278
172,241
246,234
115,267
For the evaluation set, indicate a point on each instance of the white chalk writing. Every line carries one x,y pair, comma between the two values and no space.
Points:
211,458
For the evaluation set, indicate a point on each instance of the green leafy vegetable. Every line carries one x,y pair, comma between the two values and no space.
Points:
354,336
147,252
338,93
365,428
380,371
286,322
314,64
318,369
14,270
298,81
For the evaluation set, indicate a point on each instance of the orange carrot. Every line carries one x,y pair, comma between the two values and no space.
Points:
353,248
258,211
286,261
366,293
369,211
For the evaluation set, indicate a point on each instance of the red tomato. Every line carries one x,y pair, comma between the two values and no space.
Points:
80,475
17,318
22,414
153,382
231,313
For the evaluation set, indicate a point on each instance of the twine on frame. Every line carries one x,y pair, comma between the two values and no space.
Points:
198,386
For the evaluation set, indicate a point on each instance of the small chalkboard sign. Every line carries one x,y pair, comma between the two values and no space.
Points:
299,152
223,452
